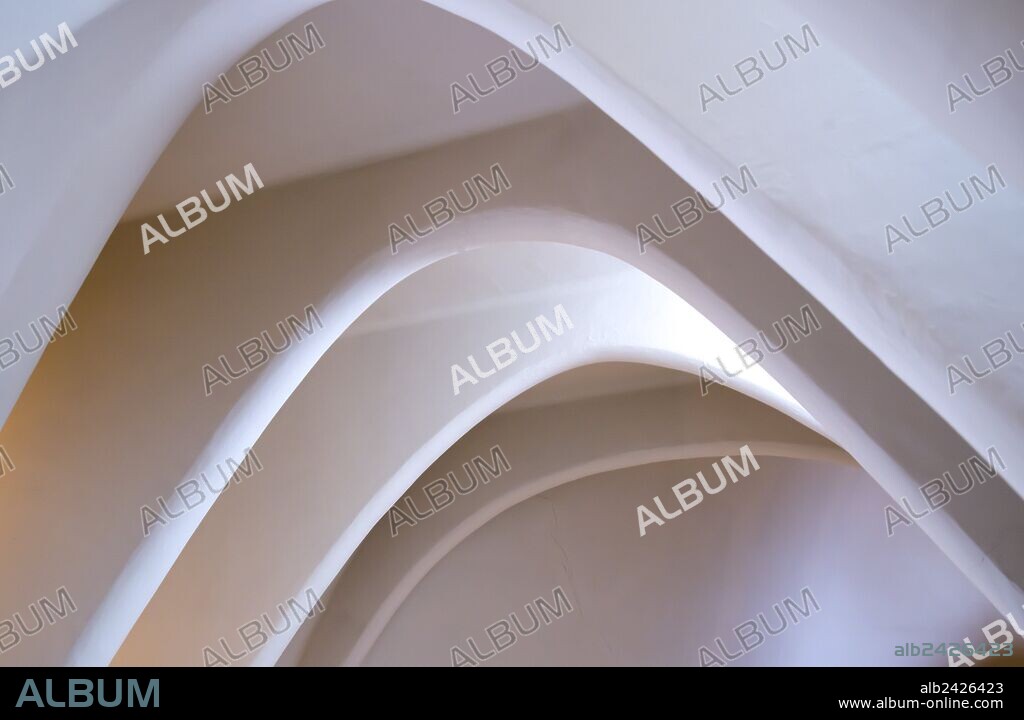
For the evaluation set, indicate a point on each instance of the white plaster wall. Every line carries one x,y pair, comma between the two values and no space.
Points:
376,411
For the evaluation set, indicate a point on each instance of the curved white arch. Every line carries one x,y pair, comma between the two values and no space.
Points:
825,248
350,480
716,240
244,419
899,438
636,107
641,429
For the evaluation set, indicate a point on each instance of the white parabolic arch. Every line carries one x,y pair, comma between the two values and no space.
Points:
719,263
347,477
632,319
650,427
547,446
268,393
896,435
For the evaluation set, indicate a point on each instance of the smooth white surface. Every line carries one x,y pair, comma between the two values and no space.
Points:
840,144
547,446
656,600
361,452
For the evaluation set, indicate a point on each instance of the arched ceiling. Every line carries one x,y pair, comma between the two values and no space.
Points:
608,134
